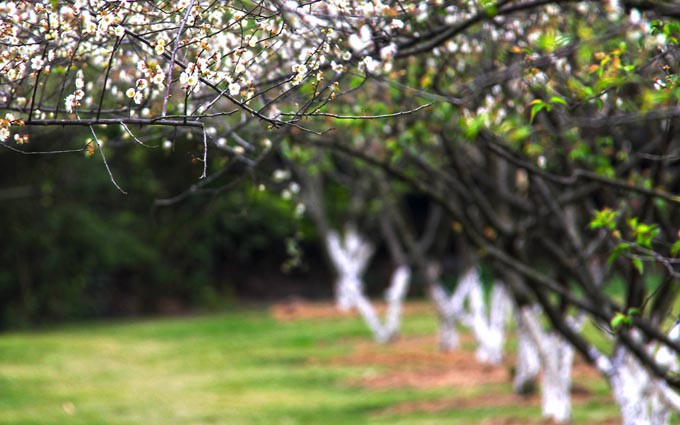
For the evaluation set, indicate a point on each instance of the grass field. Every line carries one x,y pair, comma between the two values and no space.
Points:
246,367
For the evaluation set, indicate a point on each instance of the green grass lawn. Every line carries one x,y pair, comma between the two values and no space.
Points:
235,368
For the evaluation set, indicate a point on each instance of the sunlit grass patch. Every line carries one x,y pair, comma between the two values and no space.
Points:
235,368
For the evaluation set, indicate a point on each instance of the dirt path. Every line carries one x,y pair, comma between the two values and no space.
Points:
416,362
300,309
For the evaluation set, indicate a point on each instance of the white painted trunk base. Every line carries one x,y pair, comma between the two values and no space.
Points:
394,296
350,258
556,357
488,325
451,311
642,398
449,339
528,363
556,384
629,382
448,309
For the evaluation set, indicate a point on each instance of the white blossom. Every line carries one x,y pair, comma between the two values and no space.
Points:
280,175
37,63
234,89
362,40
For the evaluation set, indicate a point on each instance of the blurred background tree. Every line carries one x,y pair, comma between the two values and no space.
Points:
74,248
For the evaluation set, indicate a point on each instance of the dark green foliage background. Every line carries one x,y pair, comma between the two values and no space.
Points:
74,247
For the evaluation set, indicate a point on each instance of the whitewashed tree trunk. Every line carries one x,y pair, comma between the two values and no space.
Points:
395,299
488,329
664,401
635,392
555,394
448,334
629,382
395,294
556,356
450,310
343,271
350,257
368,313
665,398
659,414
500,311
528,363
641,397
488,325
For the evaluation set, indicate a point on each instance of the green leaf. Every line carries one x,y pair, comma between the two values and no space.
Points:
556,99
639,265
472,127
547,41
521,133
623,246
607,82
581,151
535,110
644,233
675,249
605,217
618,320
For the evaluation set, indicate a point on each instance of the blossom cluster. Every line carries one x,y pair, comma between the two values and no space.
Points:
271,60
193,58
8,121
121,53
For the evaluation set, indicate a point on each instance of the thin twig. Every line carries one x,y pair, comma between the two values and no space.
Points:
107,121
41,152
106,164
125,127
205,154
108,72
363,117
175,48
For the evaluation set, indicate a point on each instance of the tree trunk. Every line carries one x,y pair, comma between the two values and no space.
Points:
555,394
528,364
448,334
500,309
368,313
629,381
643,398
350,257
488,329
665,399
556,356
450,310
394,296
